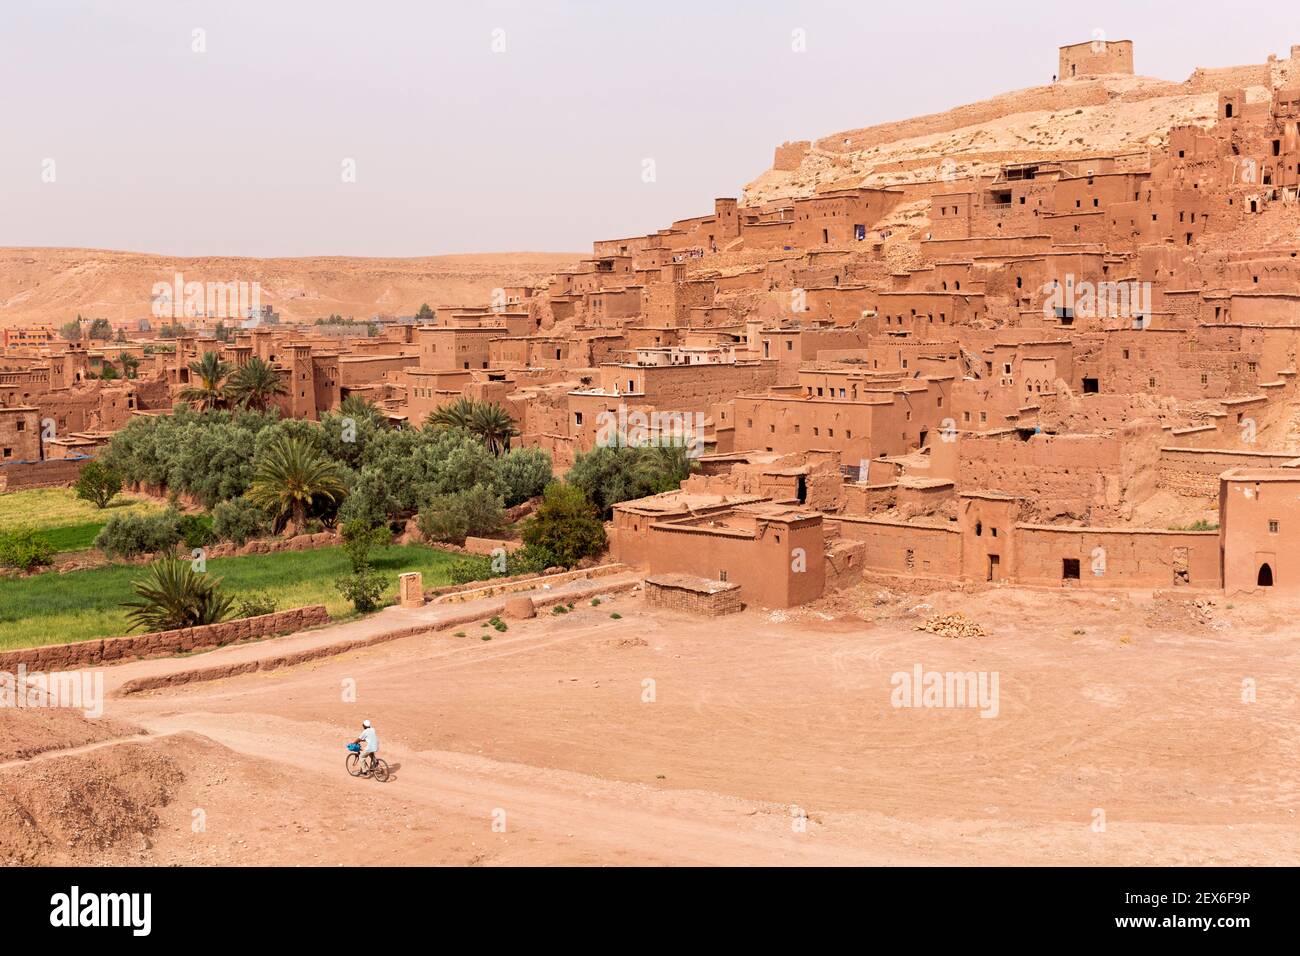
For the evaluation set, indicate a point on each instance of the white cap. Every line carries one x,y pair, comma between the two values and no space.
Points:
365,723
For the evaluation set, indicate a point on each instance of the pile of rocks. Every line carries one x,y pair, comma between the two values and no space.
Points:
952,625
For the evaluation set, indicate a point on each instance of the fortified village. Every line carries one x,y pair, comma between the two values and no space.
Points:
1046,339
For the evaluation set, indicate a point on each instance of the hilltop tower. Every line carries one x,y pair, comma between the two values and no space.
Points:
1096,58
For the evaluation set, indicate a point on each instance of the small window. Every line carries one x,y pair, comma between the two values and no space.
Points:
1272,527
1070,569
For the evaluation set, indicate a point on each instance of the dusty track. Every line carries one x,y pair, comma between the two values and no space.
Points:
1111,703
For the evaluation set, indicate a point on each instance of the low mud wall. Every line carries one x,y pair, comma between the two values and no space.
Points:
113,650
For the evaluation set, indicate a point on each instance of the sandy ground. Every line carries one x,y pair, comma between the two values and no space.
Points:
767,738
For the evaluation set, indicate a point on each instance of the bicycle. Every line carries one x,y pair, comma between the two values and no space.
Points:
378,768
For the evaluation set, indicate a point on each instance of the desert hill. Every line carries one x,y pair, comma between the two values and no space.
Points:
51,286
1105,115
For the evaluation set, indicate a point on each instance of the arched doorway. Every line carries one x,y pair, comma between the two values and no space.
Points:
1265,578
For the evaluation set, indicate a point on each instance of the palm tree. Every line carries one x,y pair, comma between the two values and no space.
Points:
129,363
289,475
357,407
494,426
209,372
456,415
173,595
255,385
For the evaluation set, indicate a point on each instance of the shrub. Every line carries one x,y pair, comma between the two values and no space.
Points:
98,484
473,567
359,540
453,517
531,559
524,473
239,520
24,548
566,525
610,474
196,530
129,535
439,520
363,588
256,604
173,595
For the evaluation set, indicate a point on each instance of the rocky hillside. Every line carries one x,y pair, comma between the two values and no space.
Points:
51,286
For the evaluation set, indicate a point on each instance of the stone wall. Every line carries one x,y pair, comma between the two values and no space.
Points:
113,650
39,474
694,595
1194,472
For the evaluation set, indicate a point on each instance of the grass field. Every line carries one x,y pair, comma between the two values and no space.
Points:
69,523
55,608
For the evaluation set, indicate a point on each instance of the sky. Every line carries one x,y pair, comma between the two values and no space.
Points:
394,128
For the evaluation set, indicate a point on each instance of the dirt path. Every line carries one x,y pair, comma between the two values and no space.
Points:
621,734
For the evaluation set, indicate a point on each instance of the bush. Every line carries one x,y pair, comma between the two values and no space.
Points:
173,595
523,473
473,567
24,548
196,530
363,588
610,474
566,525
238,520
98,484
127,536
452,518
359,540
256,604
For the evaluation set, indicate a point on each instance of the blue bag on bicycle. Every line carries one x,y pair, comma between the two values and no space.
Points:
354,747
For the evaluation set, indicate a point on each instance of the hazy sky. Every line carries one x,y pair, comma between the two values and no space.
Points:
240,149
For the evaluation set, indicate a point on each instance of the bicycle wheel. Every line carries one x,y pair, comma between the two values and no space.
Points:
380,771
353,763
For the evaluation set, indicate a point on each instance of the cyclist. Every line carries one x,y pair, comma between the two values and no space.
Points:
369,742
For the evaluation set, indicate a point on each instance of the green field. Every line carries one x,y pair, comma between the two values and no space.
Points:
69,523
54,608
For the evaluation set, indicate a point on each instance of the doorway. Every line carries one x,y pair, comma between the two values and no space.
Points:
995,567
1265,577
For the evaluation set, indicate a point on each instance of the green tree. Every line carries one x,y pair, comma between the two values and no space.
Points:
238,520
608,475
206,389
290,476
98,483
566,525
524,473
425,314
359,541
173,595
494,427
71,331
457,414
255,385
454,517
130,363
101,330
